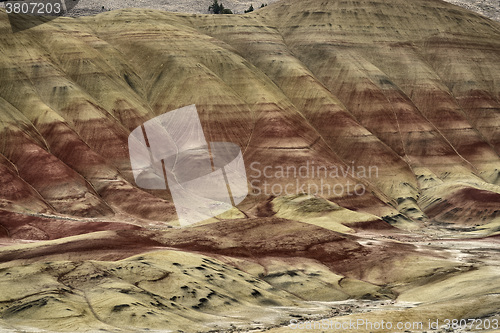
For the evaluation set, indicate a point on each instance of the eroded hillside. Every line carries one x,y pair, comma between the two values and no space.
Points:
410,90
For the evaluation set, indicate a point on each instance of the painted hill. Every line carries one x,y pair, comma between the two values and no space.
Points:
401,99
314,82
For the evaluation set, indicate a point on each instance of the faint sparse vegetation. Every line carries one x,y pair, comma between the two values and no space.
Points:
120,307
316,205
216,8
256,293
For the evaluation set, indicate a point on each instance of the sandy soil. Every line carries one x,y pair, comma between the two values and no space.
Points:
339,261
488,8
